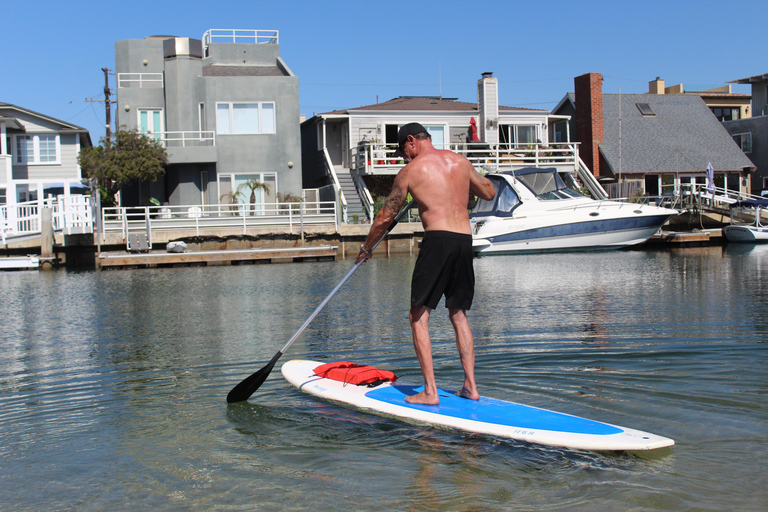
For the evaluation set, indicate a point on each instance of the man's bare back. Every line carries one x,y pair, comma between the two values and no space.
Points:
440,181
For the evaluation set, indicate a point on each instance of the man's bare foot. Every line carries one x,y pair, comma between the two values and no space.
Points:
423,399
464,393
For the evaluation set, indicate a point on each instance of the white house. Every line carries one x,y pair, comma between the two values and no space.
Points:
345,151
36,152
38,160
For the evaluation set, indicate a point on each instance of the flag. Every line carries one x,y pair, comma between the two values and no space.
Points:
710,177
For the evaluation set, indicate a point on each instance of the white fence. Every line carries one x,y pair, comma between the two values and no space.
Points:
234,217
230,35
71,215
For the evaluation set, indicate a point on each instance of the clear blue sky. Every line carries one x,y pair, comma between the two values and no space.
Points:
349,53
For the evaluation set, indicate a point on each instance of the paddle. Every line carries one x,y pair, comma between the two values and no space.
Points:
250,384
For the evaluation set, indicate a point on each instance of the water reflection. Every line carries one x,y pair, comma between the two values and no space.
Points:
112,385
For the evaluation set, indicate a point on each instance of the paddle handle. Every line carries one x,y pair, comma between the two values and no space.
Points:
345,279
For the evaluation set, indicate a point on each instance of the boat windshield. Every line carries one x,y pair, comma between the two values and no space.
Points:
547,184
504,201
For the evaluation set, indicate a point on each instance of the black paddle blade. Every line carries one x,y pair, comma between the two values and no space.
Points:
249,385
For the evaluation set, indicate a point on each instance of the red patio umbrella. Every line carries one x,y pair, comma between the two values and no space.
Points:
473,130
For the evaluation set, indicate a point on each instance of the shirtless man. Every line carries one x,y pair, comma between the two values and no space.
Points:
440,181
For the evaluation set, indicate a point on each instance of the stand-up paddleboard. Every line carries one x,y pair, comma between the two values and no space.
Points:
486,416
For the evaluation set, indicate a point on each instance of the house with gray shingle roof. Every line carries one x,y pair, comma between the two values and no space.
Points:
38,155
652,142
347,151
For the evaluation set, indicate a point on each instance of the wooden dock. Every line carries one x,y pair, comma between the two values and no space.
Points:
680,239
154,259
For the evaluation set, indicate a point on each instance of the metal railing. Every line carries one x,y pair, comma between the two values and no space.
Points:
230,35
185,139
336,184
140,80
237,217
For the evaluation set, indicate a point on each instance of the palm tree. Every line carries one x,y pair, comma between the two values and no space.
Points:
253,185
231,198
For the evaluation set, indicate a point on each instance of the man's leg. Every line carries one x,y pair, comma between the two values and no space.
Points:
466,346
422,343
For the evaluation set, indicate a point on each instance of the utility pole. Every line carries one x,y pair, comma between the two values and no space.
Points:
108,104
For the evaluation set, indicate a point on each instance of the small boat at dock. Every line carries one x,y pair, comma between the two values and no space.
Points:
747,222
539,209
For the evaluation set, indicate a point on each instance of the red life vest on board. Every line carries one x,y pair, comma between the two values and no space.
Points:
353,373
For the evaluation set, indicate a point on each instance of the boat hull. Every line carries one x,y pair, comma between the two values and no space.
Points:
748,234
587,235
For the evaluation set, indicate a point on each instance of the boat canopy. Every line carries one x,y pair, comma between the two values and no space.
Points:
750,203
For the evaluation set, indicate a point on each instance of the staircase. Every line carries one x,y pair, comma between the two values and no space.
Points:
354,204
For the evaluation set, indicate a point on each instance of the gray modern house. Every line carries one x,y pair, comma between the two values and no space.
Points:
751,133
226,107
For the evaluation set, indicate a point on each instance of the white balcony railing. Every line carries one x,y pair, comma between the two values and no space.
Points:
140,80
249,36
185,139
380,159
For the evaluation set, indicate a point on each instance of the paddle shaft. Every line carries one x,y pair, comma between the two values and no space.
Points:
250,384
344,280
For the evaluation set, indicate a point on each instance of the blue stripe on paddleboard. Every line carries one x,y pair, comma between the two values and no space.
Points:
499,412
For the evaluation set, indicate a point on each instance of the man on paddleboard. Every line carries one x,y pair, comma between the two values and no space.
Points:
440,181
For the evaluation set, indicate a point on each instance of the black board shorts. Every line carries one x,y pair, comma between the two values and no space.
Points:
444,267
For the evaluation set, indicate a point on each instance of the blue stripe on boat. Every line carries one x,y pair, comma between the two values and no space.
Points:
489,410
582,228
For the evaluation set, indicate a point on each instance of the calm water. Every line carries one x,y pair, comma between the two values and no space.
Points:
113,385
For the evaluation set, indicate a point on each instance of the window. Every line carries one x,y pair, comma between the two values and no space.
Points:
645,109
151,121
438,135
744,140
726,113
251,118
518,134
36,149
233,189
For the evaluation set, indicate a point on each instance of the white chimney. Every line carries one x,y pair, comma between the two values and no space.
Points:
488,105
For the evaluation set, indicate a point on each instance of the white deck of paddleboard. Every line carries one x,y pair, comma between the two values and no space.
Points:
487,416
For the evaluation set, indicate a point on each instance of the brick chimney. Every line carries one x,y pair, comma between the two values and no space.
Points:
589,118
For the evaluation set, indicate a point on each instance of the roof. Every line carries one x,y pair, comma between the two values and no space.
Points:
64,126
242,71
750,79
427,104
682,135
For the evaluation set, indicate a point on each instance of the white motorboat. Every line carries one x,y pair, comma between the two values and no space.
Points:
535,209
747,222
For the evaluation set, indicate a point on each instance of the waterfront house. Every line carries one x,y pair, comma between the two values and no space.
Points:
751,134
656,143
226,107
38,155
725,104
349,152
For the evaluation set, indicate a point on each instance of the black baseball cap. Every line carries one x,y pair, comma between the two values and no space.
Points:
402,136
